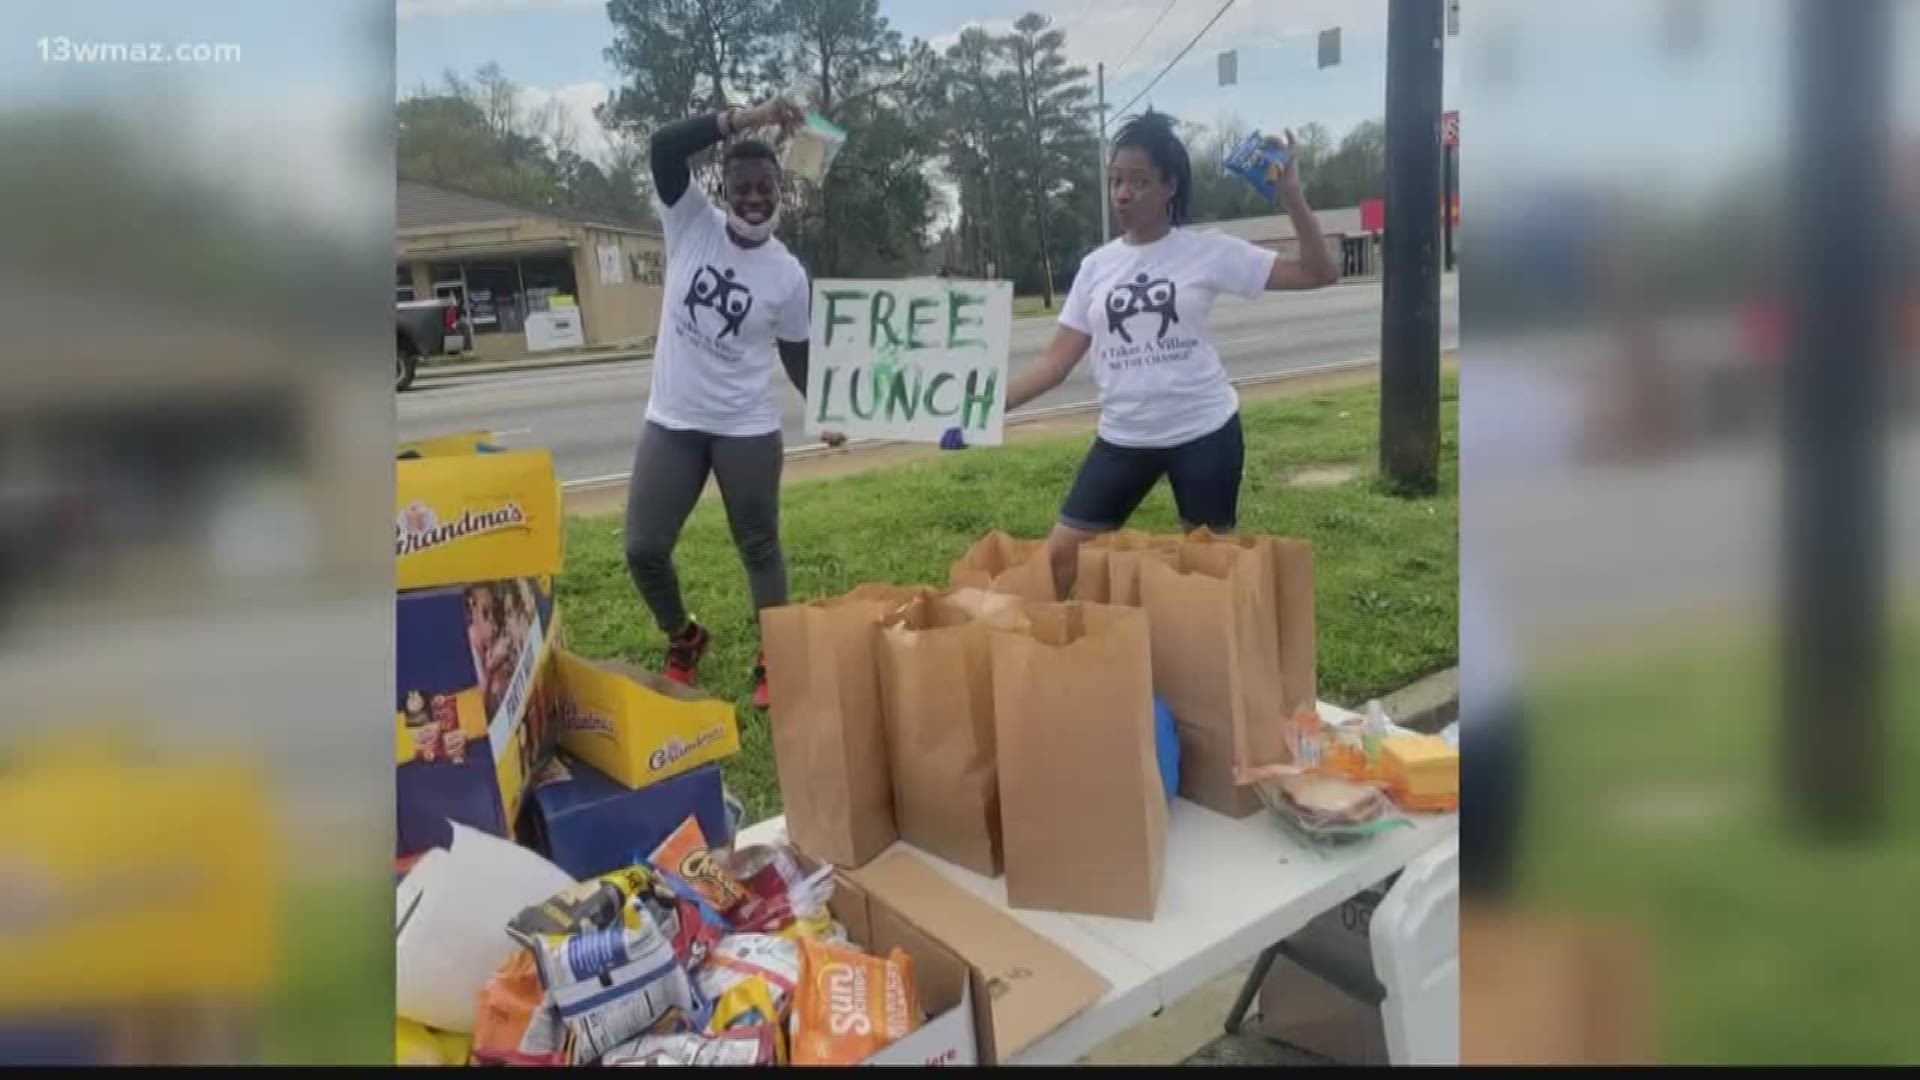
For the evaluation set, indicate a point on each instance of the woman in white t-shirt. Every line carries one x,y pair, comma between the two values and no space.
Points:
1141,303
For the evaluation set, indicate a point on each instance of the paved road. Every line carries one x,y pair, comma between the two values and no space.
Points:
590,416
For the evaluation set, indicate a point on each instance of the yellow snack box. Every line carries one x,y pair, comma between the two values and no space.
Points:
464,517
1423,770
637,727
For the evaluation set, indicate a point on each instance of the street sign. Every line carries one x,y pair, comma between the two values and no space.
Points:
1450,129
1329,47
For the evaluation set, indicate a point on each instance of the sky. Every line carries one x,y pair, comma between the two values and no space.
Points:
554,48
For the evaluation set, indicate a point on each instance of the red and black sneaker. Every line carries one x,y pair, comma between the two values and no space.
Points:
684,652
760,681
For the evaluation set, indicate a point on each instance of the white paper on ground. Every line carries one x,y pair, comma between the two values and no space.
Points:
450,932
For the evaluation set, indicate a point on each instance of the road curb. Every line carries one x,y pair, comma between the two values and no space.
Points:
1426,705
448,371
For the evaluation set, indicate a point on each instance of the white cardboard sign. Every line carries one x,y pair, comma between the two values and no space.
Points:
909,360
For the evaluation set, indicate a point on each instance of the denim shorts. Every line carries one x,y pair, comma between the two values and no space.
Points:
1204,475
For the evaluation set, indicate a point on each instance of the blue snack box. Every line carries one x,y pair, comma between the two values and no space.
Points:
590,824
1258,164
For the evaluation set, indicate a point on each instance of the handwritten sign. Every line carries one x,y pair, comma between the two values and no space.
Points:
908,360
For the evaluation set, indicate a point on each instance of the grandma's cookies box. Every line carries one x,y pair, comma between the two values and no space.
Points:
589,824
474,705
474,516
638,727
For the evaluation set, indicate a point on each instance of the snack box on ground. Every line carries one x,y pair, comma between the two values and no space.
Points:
466,511
475,698
637,727
588,824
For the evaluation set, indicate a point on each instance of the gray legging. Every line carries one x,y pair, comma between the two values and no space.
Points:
669,471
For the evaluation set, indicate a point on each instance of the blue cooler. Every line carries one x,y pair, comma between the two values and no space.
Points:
1166,745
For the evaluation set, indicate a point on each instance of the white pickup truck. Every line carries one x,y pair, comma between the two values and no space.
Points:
421,328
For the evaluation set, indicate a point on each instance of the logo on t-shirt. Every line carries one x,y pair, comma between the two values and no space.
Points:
1141,297
718,292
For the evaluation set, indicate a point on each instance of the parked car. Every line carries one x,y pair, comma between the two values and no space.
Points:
421,329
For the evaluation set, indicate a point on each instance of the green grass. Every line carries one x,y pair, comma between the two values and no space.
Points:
1024,306
1767,946
1385,568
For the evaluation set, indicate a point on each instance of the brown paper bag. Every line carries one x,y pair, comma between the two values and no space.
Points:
829,739
1082,812
936,691
1289,563
1109,571
999,563
1215,664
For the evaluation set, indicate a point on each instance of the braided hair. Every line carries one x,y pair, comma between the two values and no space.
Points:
1152,134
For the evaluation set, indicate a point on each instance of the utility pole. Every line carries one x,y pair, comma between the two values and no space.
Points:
1834,761
1410,305
1100,82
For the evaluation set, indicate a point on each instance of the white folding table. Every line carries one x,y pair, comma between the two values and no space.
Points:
1232,888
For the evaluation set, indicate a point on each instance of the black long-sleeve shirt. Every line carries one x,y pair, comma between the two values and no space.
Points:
671,148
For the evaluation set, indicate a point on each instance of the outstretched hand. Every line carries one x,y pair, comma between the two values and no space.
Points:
1289,176
775,111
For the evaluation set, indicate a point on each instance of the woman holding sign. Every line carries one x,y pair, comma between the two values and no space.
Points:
735,296
1141,303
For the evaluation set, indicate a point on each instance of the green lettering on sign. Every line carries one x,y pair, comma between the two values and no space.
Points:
833,296
933,389
958,302
980,397
826,398
853,395
902,401
914,322
882,320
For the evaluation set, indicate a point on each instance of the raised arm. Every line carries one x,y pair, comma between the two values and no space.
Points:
673,145
1313,268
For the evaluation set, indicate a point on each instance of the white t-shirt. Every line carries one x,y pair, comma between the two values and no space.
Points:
714,362
1146,308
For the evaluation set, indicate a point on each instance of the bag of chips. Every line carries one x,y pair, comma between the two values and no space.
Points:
514,1023
685,856
750,1005
609,970
849,1006
740,1047
739,957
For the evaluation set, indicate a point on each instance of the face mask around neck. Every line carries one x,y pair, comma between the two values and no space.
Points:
750,232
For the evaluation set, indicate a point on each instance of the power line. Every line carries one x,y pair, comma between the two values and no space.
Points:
1182,55
1121,66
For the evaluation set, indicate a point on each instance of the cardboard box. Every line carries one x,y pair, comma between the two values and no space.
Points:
637,727
1537,989
476,516
1302,1009
945,982
474,705
589,824
1023,986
